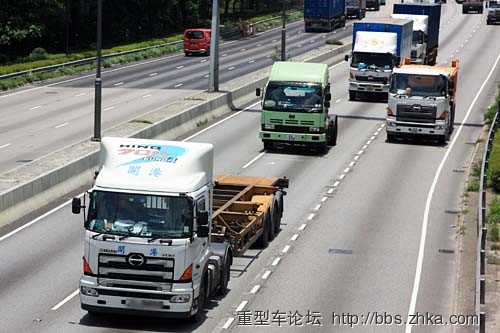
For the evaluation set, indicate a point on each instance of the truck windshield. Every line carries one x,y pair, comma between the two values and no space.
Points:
418,85
293,97
140,215
418,37
371,60
494,4
351,3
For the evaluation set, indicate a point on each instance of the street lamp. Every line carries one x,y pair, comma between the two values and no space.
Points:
98,81
283,34
213,80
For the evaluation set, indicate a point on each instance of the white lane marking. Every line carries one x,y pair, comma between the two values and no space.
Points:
346,170
241,306
318,206
109,108
338,101
303,226
372,138
268,56
360,152
5,145
204,60
81,94
178,85
356,157
259,45
300,45
153,74
324,199
364,147
207,75
253,160
276,261
425,220
243,50
255,289
342,176
36,107
310,216
368,142
336,183
228,323
13,232
118,83
312,41
251,61
224,55
266,275
179,67
220,122
352,164
382,126
61,125
274,40
285,249
330,191
64,301
146,96
231,68
294,237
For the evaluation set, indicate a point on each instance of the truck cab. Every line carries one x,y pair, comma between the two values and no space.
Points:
472,6
493,12
356,9
419,38
295,104
147,247
422,102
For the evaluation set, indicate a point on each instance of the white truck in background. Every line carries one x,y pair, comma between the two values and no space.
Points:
161,231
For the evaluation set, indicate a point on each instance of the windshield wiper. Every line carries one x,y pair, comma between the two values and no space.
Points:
104,237
162,240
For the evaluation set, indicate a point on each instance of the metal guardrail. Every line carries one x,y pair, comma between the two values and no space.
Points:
482,231
227,33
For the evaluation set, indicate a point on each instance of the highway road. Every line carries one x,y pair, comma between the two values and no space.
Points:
40,119
369,227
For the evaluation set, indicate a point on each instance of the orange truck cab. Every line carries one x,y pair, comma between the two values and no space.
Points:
197,41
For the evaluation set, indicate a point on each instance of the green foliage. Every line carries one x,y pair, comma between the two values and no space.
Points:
493,172
495,247
333,42
490,114
494,214
494,234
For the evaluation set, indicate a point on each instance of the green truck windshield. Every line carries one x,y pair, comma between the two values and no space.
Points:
418,85
293,97
139,215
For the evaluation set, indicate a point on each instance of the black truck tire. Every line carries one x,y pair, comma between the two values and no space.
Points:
277,211
268,144
202,297
263,241
225,277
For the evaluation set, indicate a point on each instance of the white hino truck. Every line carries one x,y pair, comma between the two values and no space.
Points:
161,231
422,101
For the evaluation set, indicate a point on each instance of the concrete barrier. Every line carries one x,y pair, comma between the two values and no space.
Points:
35,185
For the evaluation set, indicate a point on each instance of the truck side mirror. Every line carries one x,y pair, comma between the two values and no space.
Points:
327,104
450,91
328,97
398,60
257,92
346,57
203,218
76,205
202,231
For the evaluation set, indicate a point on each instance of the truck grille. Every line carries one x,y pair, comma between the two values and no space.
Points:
291,129
413,54
119,267
416,113
291,122
371,79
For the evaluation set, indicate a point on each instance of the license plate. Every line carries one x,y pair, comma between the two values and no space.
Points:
139,303
412,129
291,137
369,88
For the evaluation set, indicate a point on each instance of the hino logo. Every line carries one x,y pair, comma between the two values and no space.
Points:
136,260
417,108
370,78
141,147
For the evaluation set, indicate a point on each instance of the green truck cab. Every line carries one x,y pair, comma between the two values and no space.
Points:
295,104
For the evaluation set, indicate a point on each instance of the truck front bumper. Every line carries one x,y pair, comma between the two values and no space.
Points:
134,301
413,129
368,87
305,138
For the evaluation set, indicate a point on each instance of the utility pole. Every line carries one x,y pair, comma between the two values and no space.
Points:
213,79
283,34
98,81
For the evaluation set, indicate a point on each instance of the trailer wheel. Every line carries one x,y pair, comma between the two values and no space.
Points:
268,144
276,215
263,240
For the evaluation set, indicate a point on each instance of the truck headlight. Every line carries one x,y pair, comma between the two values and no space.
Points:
89,291
314,129
269,126
180,298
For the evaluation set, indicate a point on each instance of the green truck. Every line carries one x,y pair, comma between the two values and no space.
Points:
295,104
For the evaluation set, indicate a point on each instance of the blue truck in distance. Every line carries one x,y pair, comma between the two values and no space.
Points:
377,47
324,15
425,32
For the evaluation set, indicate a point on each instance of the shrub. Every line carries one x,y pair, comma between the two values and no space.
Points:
473,186
494,233
494,165
333,42
494,215
38,54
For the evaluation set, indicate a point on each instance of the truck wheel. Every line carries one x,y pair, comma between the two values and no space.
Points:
390,137
277,211
208,52
464,11
352,95
226,275
263,240
452,120
201,301
268,144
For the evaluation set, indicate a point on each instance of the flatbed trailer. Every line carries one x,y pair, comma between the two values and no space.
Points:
246,210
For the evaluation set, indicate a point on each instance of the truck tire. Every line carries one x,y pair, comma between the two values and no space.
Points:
331,132
352,95
452,120
202,297
225,277
263,241
390,137
277,211
464,11
268,144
